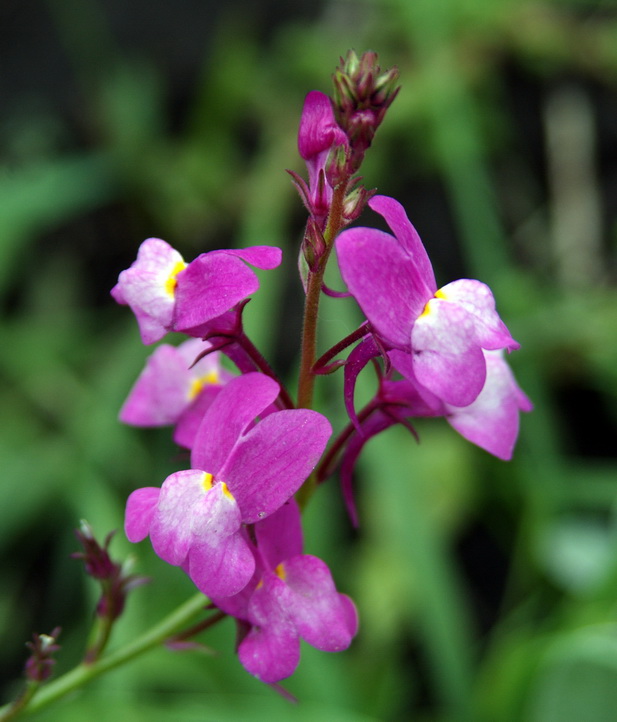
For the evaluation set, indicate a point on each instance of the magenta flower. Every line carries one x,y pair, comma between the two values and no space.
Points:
166,294
445,330
172,391
241,473
292,597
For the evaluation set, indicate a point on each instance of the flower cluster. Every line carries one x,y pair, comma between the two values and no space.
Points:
249,450
230,520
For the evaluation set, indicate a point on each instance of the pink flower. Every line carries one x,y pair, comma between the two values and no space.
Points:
292,597
166,294
241,473
445,330
172,391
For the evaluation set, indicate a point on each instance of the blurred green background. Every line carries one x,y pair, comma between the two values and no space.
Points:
487,590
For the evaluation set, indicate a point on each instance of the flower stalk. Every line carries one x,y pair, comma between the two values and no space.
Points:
170,626
335,222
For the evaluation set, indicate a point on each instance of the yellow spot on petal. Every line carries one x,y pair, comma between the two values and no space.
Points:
226,491
427,309
171,282
209,481
280,571
210,379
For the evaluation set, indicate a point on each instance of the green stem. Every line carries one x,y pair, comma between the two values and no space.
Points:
306,382
83,673
101,635
15,708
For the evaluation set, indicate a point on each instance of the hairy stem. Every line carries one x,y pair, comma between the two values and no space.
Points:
313,294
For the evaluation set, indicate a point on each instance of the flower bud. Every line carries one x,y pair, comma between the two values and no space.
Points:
355,201
40,663
313,245
362,94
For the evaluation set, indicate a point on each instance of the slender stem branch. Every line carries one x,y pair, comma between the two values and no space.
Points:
14,709
83,673
262,364
323,360
199,627
328,463
309,341
101,635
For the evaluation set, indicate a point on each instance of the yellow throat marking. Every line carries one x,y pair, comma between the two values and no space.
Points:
171,282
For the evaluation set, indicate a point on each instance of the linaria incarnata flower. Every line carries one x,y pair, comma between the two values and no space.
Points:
445,330
167,294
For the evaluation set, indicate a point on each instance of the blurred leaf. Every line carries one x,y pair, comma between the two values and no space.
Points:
577,553
579,680
33,199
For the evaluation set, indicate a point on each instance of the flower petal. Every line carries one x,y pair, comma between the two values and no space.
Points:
161,392
318,129
407,236
208,287
223,566
384,280
148,288
140,508
411,397
264,257
447,359
237,605
477,298
268,465
312,602
187,426
280,535
492,420
191,514
234,408
271,650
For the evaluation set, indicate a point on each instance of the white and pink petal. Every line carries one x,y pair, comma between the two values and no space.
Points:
447,359
148,287
140,509
477,298
322,617
222,565
492,420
